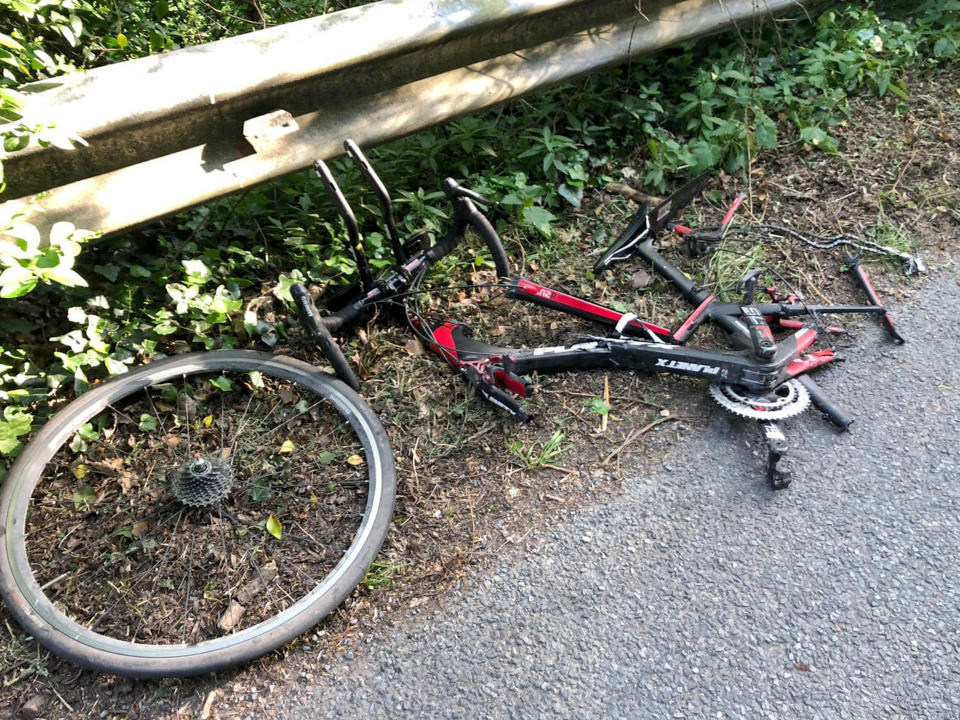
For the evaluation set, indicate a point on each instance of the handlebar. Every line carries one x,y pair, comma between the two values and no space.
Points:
346,212
485,230
314,324
465,214
380,190
824,404
453,190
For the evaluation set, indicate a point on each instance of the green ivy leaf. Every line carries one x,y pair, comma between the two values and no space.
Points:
284,283
7,41
260,490
15,424
110,272
114,366
16,273
148,423
84,496
944,47
540,218
197,272
818,138
16,281
65,276
598,406
325,457
223,383
574,196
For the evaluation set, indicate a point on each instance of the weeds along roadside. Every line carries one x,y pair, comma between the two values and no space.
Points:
219,276
171,302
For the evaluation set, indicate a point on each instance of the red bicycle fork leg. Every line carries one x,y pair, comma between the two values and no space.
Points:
693,322
805,363
861,274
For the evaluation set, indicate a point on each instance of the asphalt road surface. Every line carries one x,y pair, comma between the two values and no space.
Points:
699,593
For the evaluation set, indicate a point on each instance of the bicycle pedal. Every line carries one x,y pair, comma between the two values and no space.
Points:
777,448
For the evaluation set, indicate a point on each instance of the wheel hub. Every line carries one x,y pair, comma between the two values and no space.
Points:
203,481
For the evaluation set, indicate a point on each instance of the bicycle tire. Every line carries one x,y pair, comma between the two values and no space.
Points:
82,590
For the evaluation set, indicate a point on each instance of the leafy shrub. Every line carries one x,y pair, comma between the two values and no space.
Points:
208,278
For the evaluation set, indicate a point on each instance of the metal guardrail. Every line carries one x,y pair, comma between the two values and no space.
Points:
171,131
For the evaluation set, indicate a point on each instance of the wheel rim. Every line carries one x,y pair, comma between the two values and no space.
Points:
204,509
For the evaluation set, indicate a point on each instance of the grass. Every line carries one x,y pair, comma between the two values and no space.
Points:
540,455
380,574
20,660
724,269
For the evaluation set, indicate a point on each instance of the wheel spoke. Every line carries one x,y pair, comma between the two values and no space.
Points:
186,599
243,419
159,572
156,413
226,559
102,570
186,411
300,414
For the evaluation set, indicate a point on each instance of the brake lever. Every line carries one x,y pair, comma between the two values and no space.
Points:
494,395
504,377
452,189
698,243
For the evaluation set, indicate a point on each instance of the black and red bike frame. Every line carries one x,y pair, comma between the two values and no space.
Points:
756,362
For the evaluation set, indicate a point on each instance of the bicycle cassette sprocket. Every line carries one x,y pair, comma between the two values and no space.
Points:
786,400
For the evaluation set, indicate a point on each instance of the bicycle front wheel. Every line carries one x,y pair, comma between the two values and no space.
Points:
194,513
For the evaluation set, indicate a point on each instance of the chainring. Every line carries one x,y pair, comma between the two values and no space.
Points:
786,400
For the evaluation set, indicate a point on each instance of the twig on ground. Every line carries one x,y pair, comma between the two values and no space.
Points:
511,541
631,193
635,434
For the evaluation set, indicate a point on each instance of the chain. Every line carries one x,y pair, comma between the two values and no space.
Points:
912,264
